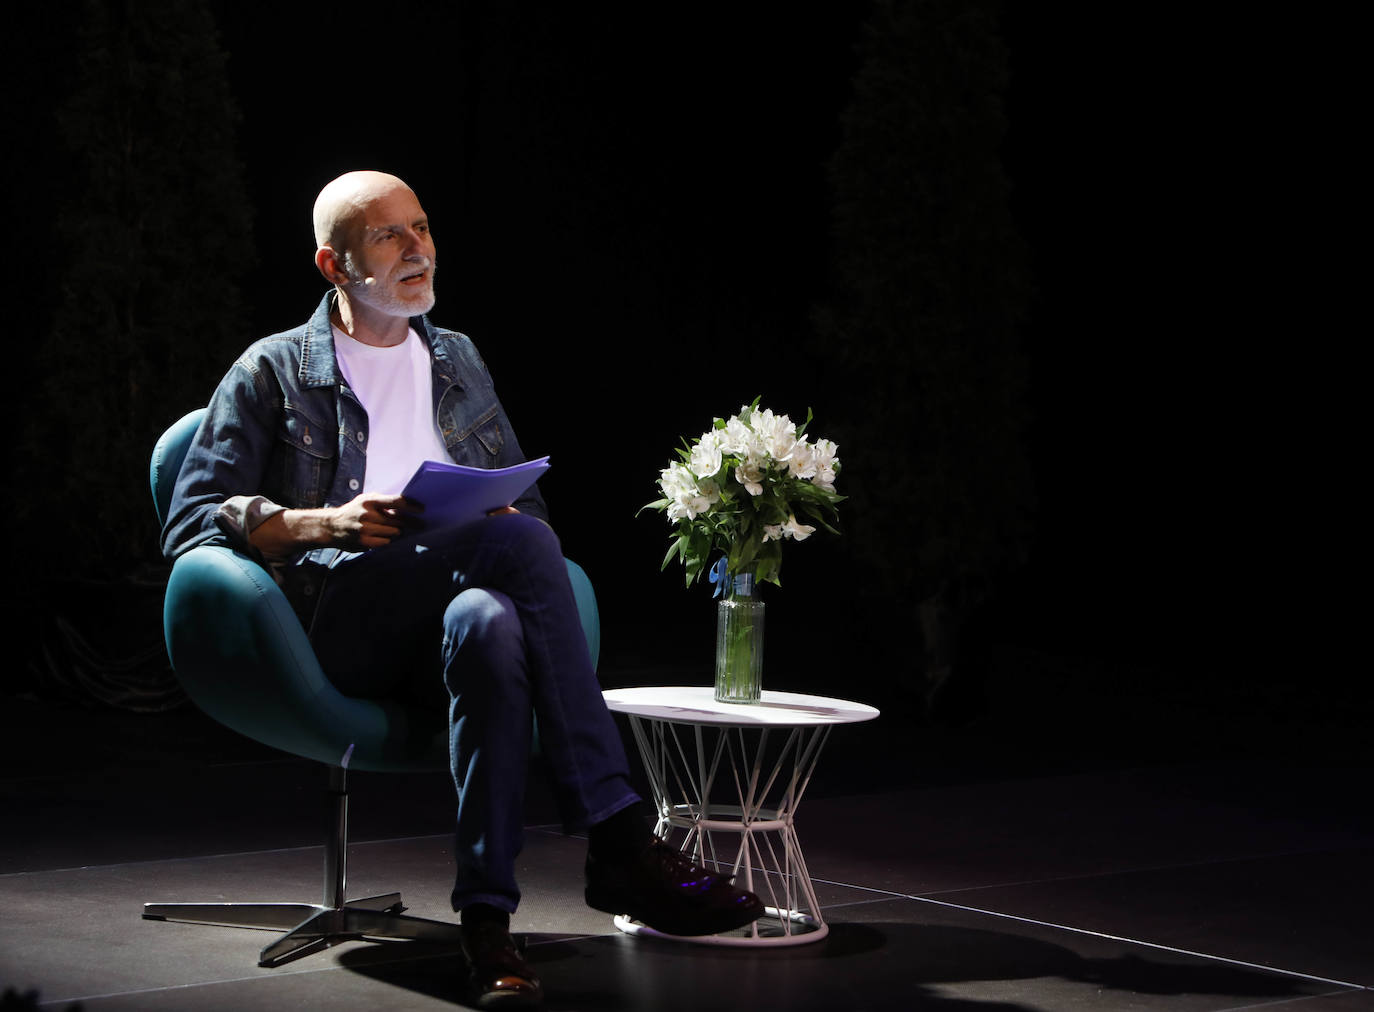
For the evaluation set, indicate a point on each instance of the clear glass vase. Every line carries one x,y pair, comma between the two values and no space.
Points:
739,643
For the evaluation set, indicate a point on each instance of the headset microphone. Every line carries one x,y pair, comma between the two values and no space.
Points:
369,280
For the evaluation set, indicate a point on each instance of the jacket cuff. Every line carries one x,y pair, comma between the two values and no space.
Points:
239,515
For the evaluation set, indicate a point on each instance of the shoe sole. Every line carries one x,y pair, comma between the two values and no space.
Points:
509,1000
687,925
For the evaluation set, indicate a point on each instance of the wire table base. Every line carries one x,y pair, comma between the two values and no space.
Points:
726,781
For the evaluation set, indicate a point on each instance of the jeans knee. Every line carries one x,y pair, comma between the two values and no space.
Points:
481,615
484,648
527,536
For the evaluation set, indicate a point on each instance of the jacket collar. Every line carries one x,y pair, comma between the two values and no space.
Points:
319,367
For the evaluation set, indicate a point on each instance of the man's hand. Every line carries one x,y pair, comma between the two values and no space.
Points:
367,521
370,520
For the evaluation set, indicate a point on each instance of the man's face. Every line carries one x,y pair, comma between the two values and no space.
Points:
389,242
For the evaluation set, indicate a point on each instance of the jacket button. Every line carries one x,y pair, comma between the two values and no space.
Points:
362,436
353,484
307,440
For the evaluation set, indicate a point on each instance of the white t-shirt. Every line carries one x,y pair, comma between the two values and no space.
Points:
395,388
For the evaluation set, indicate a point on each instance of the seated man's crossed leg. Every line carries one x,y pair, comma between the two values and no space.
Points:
513,653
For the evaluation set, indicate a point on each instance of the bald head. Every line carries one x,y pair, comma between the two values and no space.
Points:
340,203
374,246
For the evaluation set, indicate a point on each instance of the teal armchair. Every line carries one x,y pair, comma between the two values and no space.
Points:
243,658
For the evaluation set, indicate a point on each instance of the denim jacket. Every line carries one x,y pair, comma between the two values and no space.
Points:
284,431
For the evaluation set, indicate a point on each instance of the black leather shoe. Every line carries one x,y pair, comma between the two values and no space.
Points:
499,976
661,888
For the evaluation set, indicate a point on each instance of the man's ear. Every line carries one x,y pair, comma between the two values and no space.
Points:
331,265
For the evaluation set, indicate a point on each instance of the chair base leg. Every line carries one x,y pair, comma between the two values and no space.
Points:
311,927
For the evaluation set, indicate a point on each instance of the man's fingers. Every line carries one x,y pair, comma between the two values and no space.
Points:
376,536
391,503
374,520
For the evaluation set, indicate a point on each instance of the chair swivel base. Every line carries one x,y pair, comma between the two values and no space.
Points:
312,927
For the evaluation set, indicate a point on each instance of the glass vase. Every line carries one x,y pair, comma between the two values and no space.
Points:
739,643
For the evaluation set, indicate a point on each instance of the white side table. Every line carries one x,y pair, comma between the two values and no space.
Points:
691,744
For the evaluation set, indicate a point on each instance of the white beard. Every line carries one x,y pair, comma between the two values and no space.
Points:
389,296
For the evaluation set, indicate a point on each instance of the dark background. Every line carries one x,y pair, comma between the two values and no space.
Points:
640,217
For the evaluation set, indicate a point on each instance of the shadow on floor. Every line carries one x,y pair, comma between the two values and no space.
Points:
851,969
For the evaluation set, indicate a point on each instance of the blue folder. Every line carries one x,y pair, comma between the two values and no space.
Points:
454,495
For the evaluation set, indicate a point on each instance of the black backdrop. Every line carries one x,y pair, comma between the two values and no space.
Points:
635,224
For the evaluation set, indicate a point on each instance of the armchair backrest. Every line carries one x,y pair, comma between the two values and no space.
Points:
168,455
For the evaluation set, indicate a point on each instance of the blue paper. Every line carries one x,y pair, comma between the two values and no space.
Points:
454,495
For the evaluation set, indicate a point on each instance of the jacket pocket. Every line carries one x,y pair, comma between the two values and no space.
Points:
303,461
480,443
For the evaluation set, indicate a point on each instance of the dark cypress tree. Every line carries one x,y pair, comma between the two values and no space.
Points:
154,228
137,314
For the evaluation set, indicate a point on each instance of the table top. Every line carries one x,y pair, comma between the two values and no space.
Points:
696,704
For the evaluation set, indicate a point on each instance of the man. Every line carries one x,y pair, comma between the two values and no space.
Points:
300,462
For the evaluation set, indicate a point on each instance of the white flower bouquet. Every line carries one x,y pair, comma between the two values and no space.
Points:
739,489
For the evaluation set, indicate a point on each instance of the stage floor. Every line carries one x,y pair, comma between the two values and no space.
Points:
1207,885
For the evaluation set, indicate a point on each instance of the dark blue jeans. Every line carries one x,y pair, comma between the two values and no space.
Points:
485,612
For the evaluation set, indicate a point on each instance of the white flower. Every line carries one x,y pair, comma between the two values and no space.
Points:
802,463
749,473
777,433
689,497
706,457
791,529
689,507
674,480
738,440
824,456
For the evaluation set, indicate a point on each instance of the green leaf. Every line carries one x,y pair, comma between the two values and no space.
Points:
658,504
767,569
673,549
820,518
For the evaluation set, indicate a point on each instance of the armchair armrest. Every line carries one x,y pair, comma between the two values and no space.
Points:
241,654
